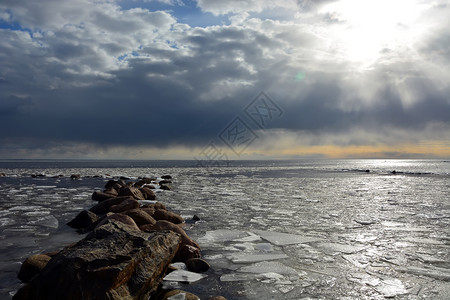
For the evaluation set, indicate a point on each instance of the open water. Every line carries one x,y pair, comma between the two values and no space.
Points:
308,229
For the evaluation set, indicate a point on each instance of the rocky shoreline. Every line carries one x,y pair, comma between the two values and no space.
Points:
133,243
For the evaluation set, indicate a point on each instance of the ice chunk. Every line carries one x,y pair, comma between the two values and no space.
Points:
270,267
7,221
364,278
45,186
282,239
390,288
142,202
429,259
255,257
245,247
179,266
237,277
26,208
250,238
424,241
184,276
220,236
266,247
48,221
342,248
436,273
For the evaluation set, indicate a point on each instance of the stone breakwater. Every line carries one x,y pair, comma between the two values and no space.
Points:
133,243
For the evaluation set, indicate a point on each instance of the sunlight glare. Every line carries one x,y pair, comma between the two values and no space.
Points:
366,28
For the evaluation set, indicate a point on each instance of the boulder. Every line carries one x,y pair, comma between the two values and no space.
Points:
103,207
113,184
124,219
164,187
197,265
75,176
32,266
101,196
124,205
112,263
143,181
163,225
149,210
148,193
131,192
164,182
162,214
140,217
166,177
157,205
186,252
2,174
84,219
111,191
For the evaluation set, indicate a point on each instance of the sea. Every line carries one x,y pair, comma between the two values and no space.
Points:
287,229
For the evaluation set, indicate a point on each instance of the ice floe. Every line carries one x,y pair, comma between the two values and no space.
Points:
184,276
332,248
283,239
270,267
436,273
255,257
48,221
390,288
220,236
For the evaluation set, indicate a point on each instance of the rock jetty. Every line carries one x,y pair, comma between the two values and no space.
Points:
131,244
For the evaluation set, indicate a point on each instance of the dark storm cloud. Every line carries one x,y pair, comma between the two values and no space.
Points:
101,76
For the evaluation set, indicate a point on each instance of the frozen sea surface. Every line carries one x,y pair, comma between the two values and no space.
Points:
270,230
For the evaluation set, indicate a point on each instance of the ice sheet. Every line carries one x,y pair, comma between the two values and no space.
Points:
436,273
282,239
391,288
342,248
256,257
48,221
184,276
270,267
220,236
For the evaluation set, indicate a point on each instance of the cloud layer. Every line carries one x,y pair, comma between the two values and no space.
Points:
99,75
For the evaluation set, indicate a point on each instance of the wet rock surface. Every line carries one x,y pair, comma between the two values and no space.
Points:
32,266
112,262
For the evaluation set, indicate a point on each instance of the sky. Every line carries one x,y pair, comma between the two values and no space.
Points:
214,80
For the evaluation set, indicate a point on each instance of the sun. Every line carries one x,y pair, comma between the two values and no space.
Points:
363,30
